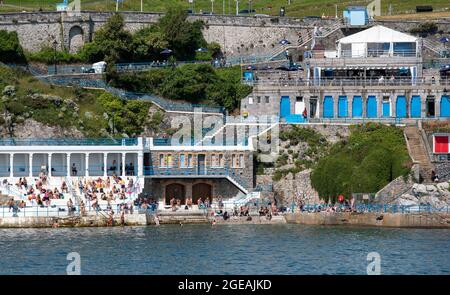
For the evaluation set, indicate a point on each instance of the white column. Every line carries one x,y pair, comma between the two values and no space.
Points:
123,164
50,164
140,163
30,164
86,164
68,164
105,164
11,165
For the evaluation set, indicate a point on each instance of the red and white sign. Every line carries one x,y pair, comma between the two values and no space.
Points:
441,144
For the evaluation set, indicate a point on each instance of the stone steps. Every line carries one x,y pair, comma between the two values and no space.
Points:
418,152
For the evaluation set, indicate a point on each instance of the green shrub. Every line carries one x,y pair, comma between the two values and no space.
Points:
10,48
48,56
373,156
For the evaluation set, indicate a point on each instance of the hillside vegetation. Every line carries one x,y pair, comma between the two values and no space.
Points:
373,156
271,7
93,113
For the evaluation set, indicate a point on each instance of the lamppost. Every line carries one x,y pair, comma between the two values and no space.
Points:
212,6
55,43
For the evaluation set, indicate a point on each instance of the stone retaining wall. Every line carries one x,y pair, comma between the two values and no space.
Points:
75,221
427,220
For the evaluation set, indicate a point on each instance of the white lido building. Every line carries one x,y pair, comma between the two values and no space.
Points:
71,157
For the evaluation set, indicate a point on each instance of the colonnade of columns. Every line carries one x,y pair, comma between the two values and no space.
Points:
71,164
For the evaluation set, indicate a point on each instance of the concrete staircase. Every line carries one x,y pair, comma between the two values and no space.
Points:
434,46
418,152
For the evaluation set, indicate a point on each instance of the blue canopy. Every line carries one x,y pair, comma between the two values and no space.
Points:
444,40
202,49
284,42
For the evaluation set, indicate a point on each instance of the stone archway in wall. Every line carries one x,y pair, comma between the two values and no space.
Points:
76,39
175,190
201,190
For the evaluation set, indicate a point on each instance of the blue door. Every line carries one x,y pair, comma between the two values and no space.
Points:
415,106
386,109
342,107
285,107
401,107
445,106
357,107
328,109
371,107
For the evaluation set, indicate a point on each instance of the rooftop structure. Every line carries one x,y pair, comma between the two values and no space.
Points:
356,15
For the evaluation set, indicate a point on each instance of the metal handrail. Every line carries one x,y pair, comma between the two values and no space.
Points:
69,141
196,171
339,82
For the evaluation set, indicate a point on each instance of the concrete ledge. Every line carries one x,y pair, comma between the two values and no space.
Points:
414,220
71,221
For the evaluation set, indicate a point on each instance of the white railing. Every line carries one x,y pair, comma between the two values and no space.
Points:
349,82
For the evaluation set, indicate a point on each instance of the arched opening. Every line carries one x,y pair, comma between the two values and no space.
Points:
76,39
177,191
328,108
401,106
371,107
342,107
445,106
415,107
357,107
201,190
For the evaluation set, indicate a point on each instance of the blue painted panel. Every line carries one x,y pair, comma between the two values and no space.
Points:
357,107
295,119
371,106
445,106
400,107
415,106
342,107
285,107
328,109
386,109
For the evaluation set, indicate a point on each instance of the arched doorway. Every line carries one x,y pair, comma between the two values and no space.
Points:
177,191
76,39
328,108
201,190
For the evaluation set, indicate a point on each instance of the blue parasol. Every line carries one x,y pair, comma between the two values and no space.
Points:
284,42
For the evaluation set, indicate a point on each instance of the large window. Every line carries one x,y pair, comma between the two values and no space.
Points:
237,161
165,160
217,160
182,161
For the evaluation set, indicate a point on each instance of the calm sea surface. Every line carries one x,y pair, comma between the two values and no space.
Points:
237,249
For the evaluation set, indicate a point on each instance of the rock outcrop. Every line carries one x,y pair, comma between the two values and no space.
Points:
295,188
435,195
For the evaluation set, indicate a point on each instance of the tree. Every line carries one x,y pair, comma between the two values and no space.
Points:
10,48
111,41
148,44
183,37
373,156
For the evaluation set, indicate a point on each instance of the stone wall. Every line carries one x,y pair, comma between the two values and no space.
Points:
75,221
443,170
237,35
155,187
370,219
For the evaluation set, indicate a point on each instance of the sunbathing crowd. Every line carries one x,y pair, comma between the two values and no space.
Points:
113,188
40,193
